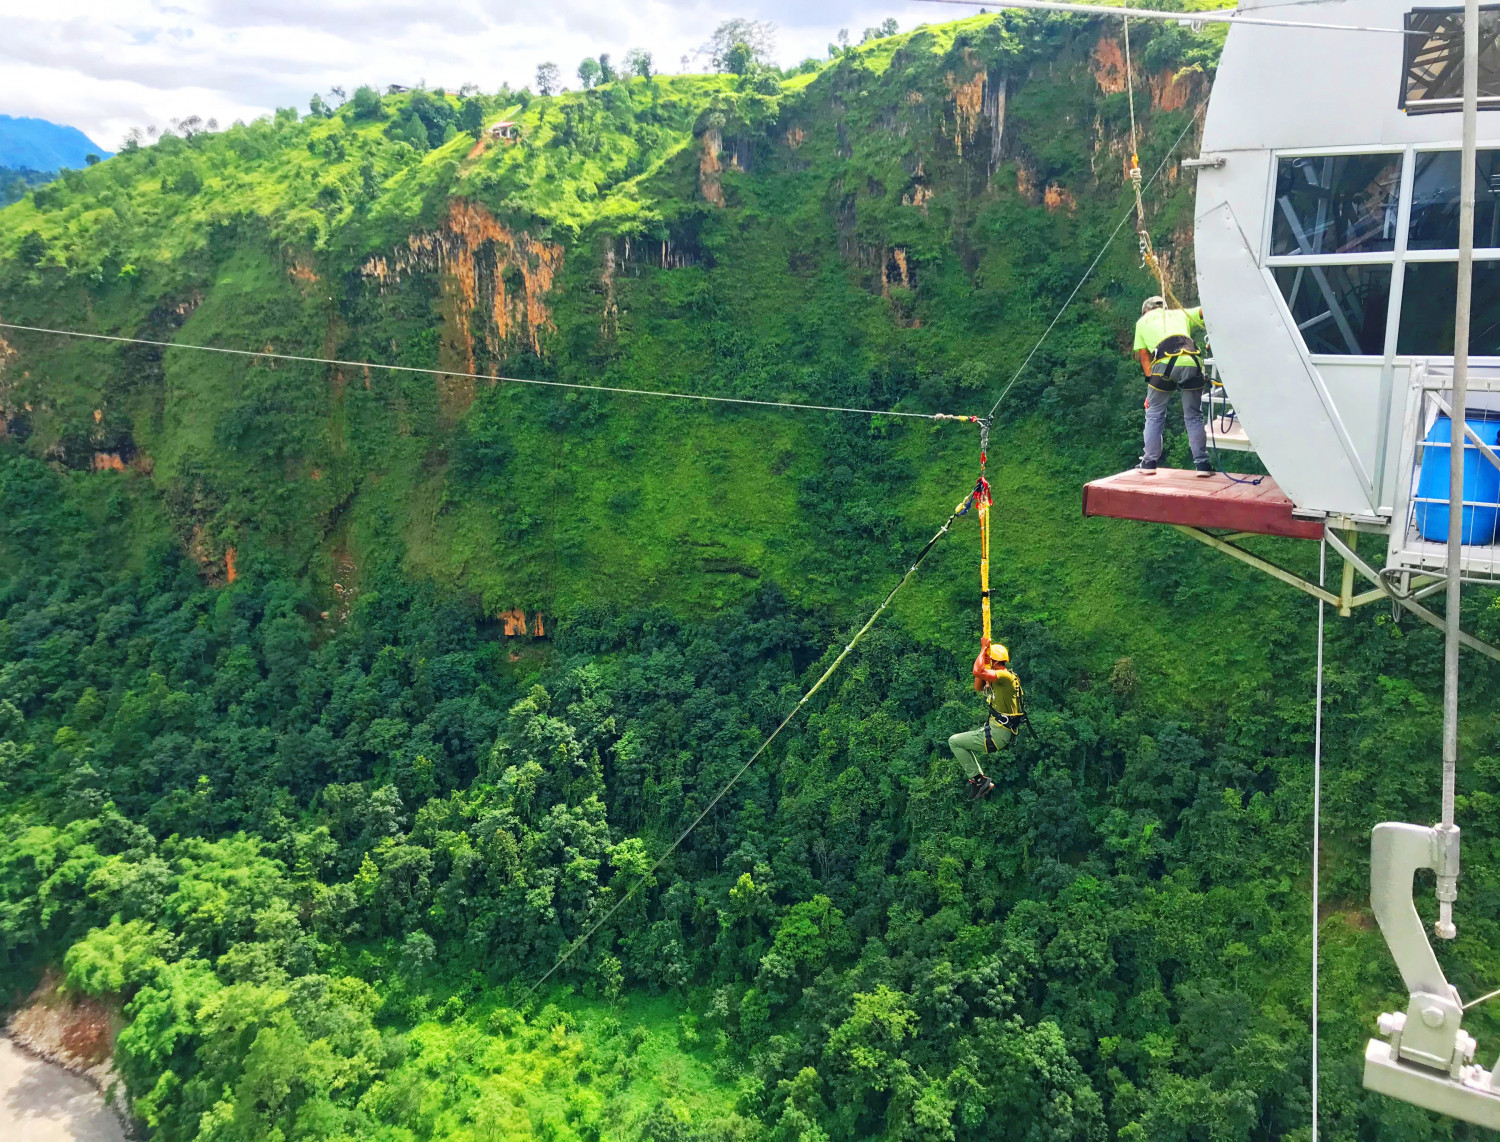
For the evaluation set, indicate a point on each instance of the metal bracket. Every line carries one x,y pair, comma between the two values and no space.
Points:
1200,163
1289,577
1409,603
1426,1056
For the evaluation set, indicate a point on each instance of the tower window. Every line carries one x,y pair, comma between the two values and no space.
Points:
1433,60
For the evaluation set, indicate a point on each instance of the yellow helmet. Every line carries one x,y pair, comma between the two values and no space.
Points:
998,653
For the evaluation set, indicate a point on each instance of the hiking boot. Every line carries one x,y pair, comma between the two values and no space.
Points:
1205,469
979,787
1146,467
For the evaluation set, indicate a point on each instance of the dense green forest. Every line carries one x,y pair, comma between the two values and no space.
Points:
335,701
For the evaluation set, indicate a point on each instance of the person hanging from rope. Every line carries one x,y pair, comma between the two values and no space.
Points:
1004,709
1172,362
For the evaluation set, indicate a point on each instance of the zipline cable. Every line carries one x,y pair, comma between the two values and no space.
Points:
271,356
719,796
1316,831
1099,257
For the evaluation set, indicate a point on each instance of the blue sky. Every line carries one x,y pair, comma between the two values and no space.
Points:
107,66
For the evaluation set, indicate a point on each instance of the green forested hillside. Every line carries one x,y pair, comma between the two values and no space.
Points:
278,783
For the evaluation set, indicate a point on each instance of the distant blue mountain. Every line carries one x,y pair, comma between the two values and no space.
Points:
35,144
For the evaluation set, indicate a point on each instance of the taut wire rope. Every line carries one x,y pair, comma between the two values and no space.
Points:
730,784
272,356
1149,260
1316,832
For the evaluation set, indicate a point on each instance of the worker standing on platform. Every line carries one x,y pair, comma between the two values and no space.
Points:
1004,700
1171,360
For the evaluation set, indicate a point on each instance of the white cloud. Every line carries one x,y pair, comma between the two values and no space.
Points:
105,67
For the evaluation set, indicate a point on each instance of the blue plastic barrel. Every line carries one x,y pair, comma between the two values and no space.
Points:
1481,484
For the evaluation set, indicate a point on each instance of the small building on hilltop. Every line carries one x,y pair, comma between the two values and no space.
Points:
505,131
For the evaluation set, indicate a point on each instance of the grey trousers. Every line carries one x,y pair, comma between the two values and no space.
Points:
968,747
1192,420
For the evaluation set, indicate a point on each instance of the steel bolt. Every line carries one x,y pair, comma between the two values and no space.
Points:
1391,1023
1465,1046
1432,1016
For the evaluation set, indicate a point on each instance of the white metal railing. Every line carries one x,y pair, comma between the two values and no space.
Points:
1226,432
1428,397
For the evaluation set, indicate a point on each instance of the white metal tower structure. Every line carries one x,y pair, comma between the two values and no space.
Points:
1347,183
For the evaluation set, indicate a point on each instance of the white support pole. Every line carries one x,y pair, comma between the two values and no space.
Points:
1447,879
1316,832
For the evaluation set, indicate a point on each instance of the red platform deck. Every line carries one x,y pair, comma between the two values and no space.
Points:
1175,496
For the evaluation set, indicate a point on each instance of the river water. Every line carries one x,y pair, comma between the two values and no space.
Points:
42,1102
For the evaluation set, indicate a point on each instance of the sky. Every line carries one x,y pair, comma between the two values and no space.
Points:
105,66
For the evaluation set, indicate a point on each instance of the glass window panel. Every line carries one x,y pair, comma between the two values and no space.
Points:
1336,204
1434,59
1427,299
1434,201
1339,309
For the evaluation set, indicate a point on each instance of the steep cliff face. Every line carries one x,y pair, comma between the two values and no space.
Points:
501,278
683,234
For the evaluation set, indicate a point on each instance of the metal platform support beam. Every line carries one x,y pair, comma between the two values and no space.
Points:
1346,583
1235,552
1408,602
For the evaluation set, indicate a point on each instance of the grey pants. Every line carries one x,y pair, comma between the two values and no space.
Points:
969,747
1192,420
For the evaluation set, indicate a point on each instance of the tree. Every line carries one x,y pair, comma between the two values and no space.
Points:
412,131
741,58
638,62
471,117
588,73
547,78
91,159
187,183
33,249
366,103
757,36
606,69
317,108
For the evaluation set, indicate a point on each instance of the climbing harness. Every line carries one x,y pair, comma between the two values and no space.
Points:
1171,350
981,499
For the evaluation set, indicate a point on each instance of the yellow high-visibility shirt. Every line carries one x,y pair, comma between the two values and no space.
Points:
1156,325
